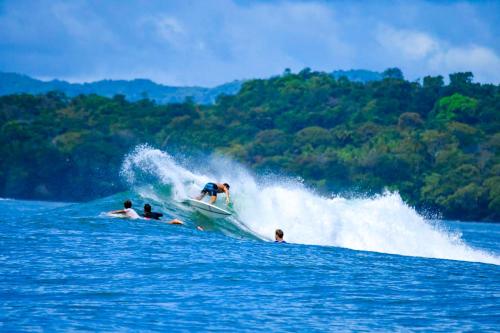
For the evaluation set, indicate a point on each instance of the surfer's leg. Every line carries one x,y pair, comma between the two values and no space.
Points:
212,199
202,194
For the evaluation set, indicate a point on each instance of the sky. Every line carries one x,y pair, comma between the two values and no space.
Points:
206,43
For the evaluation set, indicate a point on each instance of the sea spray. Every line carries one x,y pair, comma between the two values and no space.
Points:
383,223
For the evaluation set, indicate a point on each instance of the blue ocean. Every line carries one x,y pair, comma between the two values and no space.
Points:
357,263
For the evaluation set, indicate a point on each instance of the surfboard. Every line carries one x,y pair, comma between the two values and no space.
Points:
119,216
116,216
207,208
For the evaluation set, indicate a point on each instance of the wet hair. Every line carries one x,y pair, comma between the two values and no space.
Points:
279,233
226,185
127,204
147,208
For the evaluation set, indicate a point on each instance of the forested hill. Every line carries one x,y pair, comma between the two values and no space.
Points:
358,75
134,90
436,144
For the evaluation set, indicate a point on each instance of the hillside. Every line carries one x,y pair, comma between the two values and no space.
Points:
358,75
134,90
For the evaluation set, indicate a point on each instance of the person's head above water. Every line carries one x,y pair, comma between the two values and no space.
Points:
279,235
127,204
226,185
149,214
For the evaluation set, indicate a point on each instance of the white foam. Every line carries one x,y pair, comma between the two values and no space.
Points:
382,224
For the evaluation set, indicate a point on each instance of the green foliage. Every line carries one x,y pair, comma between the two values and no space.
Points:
314,136
492,189
393,73
456,107
436,144
410,120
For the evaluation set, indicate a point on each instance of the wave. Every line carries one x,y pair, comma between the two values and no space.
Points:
383,223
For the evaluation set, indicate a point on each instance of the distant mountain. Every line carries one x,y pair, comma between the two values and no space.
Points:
12,83
358,75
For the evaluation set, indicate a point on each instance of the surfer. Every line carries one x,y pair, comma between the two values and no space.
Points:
212,189
128,211
148,214
278,236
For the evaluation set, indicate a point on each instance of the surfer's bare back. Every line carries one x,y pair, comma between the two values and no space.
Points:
212,189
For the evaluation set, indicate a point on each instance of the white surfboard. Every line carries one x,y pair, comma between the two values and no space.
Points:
116,216
207,208
119,216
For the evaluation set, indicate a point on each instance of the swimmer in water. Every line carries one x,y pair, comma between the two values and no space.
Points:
278,236
148,214
128,211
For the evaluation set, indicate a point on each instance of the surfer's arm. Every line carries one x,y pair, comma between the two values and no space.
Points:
120,211
228,198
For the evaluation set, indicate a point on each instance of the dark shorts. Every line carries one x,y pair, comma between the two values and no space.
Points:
211,189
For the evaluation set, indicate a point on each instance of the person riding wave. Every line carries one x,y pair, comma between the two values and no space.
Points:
212,189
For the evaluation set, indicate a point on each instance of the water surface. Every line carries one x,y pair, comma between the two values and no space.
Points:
65,267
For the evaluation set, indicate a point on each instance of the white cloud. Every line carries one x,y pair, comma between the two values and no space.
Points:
162,28
423,53
483,62
413,44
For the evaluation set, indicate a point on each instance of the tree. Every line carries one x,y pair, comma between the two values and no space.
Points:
393,73
456,107
410,120
433,82
315,136
461,79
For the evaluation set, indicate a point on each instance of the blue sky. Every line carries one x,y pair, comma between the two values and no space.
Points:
211,42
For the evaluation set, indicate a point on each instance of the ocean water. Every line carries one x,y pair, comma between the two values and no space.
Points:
365,264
